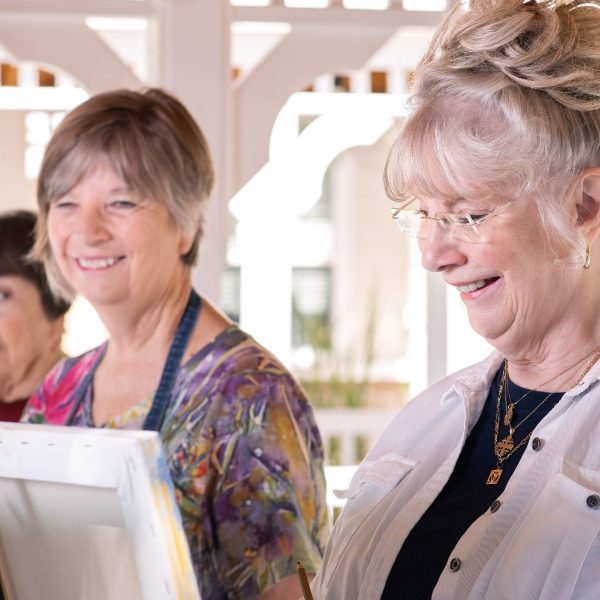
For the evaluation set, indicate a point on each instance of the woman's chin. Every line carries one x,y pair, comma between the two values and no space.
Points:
99,296
489,329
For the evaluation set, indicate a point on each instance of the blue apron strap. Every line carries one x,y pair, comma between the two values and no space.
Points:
162,397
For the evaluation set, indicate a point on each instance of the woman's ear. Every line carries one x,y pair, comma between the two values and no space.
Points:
587,204
186,241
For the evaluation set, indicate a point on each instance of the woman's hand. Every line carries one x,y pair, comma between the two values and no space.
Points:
287,589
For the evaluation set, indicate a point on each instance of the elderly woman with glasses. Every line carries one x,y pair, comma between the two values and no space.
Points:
122,193
487,485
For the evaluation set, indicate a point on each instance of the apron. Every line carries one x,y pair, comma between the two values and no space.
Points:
162,397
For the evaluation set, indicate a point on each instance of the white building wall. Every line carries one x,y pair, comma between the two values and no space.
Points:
15,190
371,259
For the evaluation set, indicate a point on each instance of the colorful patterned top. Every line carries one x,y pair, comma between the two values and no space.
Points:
245,456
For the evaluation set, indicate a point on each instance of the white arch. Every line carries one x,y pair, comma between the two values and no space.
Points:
269,205
312,51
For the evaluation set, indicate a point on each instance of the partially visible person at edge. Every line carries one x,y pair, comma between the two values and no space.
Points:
487,484
31,318
122,193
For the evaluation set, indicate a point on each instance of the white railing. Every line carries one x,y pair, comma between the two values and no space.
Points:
350,432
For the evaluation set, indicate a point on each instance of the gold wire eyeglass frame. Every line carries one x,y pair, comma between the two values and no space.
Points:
462,226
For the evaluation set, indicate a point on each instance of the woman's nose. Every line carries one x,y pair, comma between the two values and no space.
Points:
90,225
439,250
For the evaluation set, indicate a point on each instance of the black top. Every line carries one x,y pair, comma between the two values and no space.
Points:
465,496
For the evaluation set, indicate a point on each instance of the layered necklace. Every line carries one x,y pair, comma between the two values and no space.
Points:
507,446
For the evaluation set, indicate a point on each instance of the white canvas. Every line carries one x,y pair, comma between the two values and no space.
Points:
89,514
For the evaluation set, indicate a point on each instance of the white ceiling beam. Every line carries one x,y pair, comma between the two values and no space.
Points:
333,15
40,98
337,15
78,48
63,8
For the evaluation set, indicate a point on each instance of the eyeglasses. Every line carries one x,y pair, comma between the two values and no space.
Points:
463,226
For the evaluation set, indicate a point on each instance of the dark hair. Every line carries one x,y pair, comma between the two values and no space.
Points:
17,236
150,140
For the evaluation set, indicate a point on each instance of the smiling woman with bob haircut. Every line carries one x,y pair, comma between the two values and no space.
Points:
487,484
122,194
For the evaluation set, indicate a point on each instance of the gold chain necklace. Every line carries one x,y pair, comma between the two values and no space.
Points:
512,429
506,447
509,406
592,362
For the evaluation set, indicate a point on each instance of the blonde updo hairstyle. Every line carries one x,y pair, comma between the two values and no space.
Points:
150,140
507,97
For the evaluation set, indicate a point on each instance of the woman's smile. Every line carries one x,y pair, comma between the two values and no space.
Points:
467,289
98,263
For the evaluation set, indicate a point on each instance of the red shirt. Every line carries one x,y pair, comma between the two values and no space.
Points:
11,411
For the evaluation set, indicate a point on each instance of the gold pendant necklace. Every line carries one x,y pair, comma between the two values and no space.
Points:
510,409
503,447
494,476
510,406
507,446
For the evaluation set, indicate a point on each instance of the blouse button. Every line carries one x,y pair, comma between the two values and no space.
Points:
495,506
536,444
455,564
593,501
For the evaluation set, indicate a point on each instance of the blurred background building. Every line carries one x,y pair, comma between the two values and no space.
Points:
299,100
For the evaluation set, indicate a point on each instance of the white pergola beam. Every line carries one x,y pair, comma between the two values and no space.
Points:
68,45
337,15
62,8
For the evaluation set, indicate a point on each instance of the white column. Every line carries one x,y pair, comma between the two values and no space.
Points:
64,80
28,74
397,81
437,345
324,84
415,321
266,280
360,82
194,65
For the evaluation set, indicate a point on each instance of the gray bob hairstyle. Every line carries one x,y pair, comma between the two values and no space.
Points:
507,96
150,140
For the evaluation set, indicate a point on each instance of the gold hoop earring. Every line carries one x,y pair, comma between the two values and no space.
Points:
587,259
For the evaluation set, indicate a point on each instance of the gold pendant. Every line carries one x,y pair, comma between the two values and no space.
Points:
494,476
503,447
509,414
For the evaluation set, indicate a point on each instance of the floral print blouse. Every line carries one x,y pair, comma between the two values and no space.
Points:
244,453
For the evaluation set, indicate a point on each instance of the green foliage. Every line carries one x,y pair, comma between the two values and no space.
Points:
338,381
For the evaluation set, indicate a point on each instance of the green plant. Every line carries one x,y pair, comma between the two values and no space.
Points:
338,380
